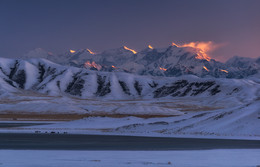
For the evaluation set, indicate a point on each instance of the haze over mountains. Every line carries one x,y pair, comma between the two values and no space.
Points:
173,60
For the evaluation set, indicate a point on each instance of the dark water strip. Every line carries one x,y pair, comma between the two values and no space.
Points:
112,142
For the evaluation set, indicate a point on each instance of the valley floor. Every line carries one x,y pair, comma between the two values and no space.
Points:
225,117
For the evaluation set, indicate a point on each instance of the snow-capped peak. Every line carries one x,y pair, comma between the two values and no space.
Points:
133,51
174,44
90,52
72,51
238,61
150,47
38,53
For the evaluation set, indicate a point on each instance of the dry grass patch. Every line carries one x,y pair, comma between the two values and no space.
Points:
68,117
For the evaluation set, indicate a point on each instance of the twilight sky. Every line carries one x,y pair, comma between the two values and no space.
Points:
60,25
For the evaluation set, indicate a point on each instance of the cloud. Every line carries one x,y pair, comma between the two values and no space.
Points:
204,48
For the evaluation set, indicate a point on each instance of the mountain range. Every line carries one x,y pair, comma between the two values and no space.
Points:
199,99
43,76
170,61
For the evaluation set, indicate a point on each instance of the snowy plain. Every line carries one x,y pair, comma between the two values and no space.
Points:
187,117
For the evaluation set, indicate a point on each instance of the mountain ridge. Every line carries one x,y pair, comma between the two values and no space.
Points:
170,61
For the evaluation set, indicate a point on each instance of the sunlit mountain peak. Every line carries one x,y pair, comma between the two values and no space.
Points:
72,51
174,44
203,48
225,71
149,46
206,68
163,69
126,48
90,51
93,64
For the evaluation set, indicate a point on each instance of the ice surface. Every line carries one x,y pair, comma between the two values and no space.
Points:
195,158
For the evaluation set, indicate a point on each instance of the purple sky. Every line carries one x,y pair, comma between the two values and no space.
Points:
60,25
